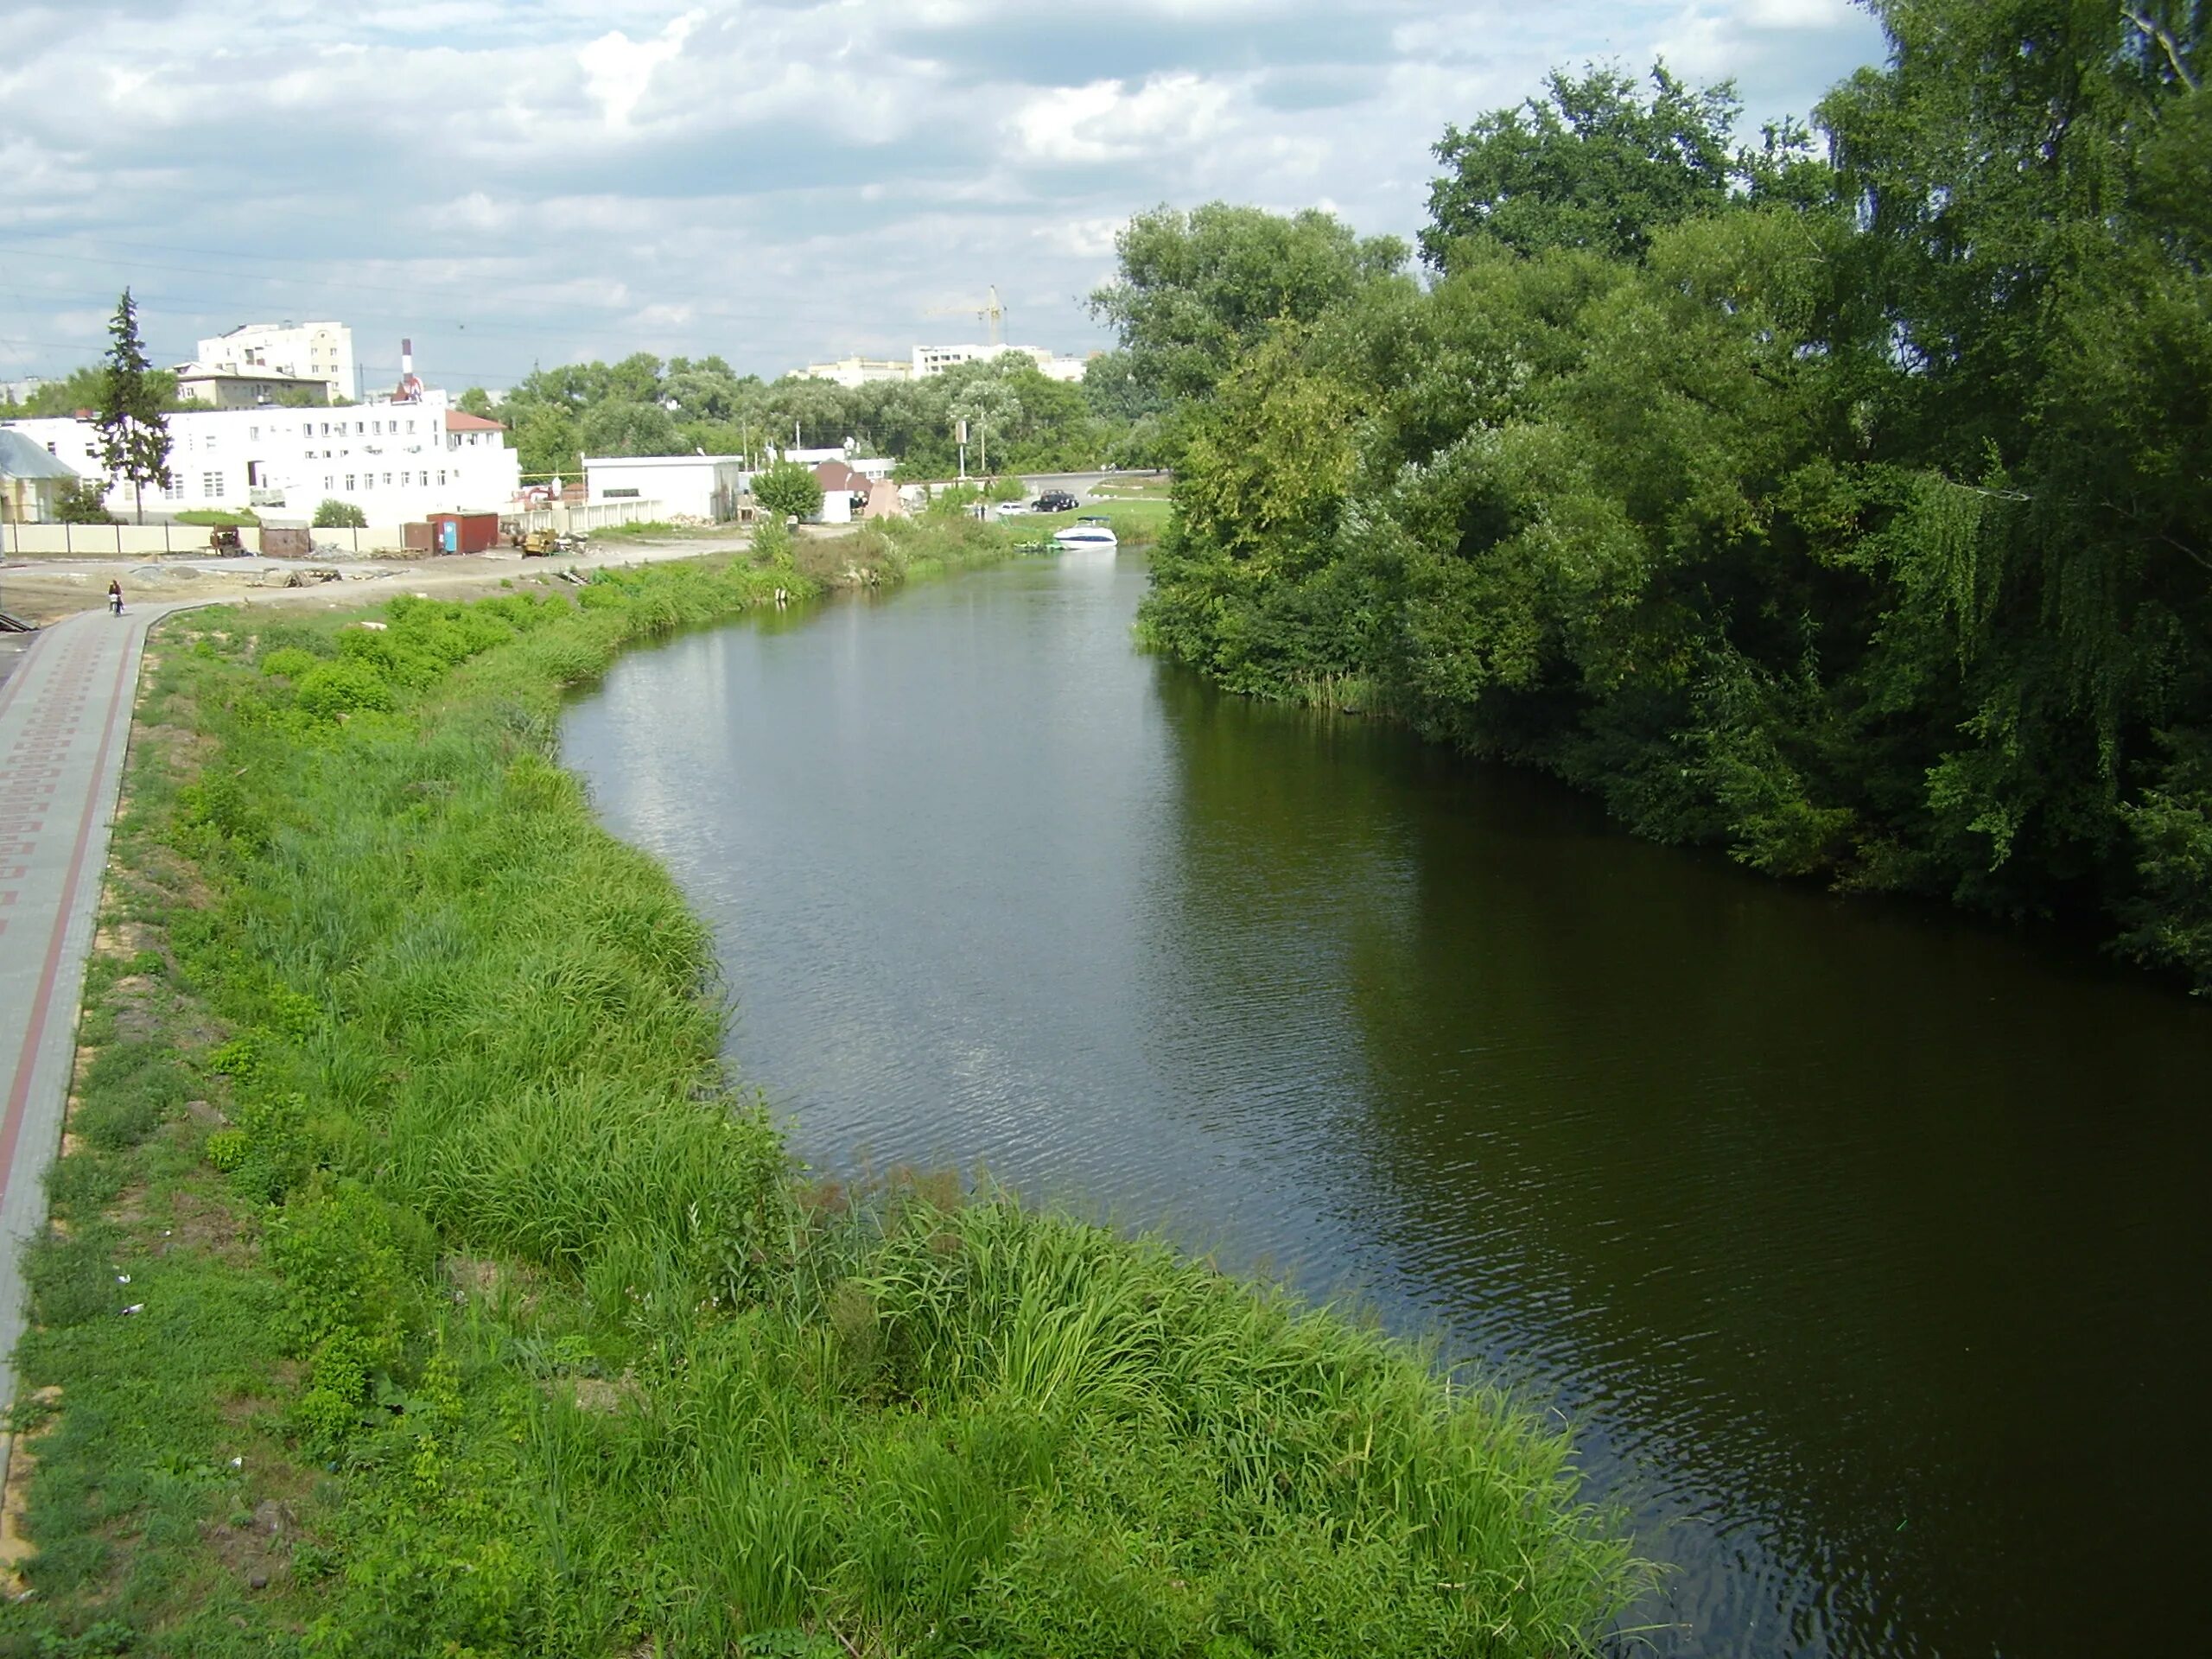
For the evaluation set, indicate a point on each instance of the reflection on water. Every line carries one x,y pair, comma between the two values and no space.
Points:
1859,1245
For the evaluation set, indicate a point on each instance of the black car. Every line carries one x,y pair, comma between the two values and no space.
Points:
1054,501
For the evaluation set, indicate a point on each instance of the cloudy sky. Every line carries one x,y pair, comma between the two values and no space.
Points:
523,182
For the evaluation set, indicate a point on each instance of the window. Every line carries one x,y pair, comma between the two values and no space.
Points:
411,426
441,477
376,427
253,434
387,481
329,481
207,440
326,428
210,485
406,479
359,427
349,481
174,490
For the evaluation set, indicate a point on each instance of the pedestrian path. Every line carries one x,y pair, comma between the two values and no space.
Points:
65,723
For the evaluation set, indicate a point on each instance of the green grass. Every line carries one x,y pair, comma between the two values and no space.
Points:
657,528
1132,487
524,1328
215,516
1136,523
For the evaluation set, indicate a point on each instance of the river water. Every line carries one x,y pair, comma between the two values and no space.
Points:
1865,1249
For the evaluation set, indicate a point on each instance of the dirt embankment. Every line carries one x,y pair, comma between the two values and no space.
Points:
45,590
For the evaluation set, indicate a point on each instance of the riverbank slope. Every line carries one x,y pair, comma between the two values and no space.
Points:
420,1283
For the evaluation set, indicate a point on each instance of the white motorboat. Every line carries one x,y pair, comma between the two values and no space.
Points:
1085,534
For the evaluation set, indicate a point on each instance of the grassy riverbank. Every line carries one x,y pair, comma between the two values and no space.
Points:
421,1284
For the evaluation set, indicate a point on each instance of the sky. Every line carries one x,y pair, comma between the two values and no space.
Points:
523,182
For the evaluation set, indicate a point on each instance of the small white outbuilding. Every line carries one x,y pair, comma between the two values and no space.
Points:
685,486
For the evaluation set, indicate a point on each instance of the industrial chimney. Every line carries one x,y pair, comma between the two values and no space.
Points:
410,390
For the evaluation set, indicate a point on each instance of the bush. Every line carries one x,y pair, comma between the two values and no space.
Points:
330,690
290,662
350,1262
788,490
82,502
339,515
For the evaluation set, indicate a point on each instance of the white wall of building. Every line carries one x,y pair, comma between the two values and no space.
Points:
309,351
396,461
691,486
936,359
874,466
860,371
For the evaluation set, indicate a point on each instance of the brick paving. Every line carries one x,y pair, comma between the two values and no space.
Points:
65,723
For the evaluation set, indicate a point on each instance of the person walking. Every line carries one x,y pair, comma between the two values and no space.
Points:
114,598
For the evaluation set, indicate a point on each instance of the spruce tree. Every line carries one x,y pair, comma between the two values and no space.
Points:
134,437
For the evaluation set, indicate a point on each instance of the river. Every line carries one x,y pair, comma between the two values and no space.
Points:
1863,1248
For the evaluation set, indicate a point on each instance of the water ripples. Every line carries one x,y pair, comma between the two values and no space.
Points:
1786,1205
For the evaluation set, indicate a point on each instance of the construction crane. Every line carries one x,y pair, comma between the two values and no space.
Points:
990,311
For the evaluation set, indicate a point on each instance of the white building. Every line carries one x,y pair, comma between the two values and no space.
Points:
871,467
306,351
936,359
250,389
396,461
691,486
860,371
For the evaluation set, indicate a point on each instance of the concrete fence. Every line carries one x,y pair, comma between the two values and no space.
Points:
180,541
114,541
584,518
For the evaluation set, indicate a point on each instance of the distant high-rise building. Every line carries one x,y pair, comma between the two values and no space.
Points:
306,351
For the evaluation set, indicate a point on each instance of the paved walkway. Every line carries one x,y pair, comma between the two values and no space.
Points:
64,723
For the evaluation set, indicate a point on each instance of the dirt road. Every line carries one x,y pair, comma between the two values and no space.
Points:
45,591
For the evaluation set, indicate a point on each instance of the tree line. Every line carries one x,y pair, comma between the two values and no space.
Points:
1018,418
1841,497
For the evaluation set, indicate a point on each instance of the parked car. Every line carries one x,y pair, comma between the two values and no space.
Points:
1054,501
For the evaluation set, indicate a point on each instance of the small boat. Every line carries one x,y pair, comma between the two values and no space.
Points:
1086,533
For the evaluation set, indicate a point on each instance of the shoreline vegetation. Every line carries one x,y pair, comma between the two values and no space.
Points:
1832,496
420,1283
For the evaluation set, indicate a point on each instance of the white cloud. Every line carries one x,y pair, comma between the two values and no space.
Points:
1104,122
514,182
1795,14
618,70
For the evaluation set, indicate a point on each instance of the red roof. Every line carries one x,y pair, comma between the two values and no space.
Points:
459,420
835,475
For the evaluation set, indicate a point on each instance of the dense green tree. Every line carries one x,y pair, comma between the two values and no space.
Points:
788,490
545,437
620,427
1194,289
79,392
1589,165
339,515
1853,519
986,404
134,440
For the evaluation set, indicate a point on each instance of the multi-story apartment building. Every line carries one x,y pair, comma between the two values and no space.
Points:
928,360
306,351
396,461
